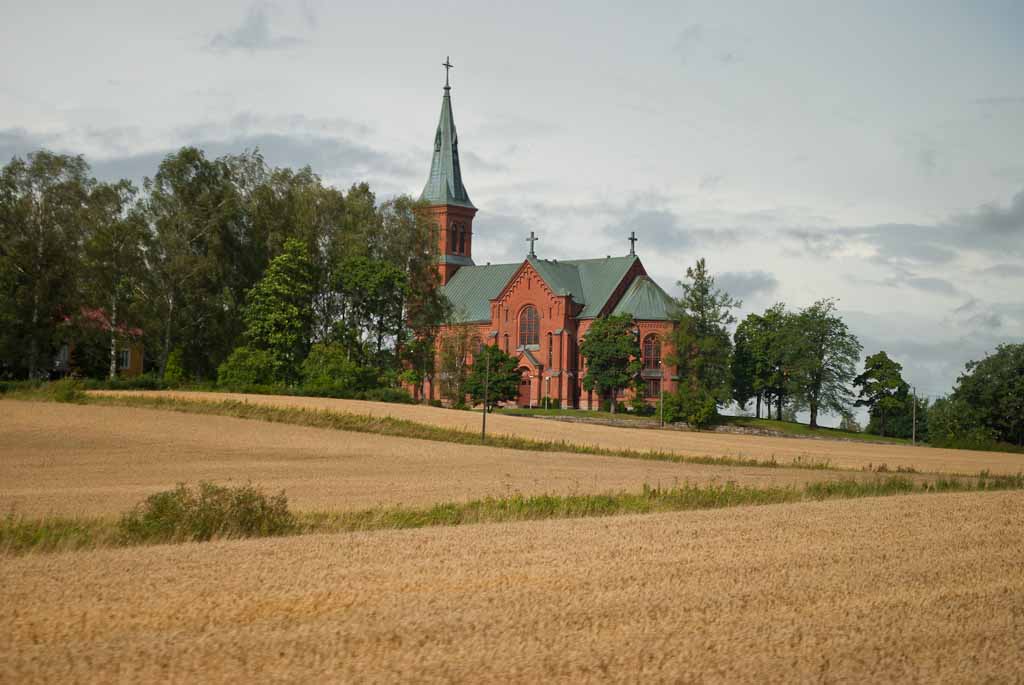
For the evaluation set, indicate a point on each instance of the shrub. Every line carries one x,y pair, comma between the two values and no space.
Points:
247,366
697,408
328,367
388,395
174,371
66,390
184,515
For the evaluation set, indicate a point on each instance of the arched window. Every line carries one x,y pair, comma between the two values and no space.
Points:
451,239
551,350
506,343
462,238
652,352
529,326
476,345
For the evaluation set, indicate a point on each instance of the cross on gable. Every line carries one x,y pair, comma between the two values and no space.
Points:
532,239
632,243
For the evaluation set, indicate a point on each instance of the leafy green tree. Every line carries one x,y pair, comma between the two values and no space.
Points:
194,294
454,362
247,366
279,309
43,201
502,372
611,349
701,342
882,388
329,367
419,356
744,364
371,293
112,260
825,355
993,388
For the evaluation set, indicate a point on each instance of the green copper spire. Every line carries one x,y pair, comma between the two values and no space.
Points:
444,186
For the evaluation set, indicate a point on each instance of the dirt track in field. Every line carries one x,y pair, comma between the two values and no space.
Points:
843,454
923,588
86,459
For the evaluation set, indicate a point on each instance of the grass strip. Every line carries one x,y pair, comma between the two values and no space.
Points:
403,428
19,535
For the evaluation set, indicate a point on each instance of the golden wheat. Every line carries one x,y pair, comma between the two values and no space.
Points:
911,589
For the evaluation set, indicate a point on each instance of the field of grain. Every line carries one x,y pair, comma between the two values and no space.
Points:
916,589
842,454
97,460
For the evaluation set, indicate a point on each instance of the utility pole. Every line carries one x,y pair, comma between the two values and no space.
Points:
661,392
913,422
487,378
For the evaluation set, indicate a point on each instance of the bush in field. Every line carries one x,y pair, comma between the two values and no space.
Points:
246,367
66,390
330,367
184,515
174,371
698,408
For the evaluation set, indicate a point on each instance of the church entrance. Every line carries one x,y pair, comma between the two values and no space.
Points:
525,387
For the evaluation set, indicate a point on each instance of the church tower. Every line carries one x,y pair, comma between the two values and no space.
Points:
449,202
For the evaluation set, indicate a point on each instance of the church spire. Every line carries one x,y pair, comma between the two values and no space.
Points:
444,185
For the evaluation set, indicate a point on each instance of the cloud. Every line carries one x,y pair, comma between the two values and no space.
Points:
747,284
255,34
710,182
1003,271
999,101
939,286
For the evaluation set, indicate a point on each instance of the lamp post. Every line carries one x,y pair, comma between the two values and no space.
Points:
487,378
661,393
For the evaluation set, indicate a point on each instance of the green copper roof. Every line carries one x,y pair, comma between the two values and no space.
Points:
472,288
590,282
444,185
645,301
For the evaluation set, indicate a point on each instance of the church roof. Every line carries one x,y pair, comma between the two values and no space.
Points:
645,301
444,185
590,283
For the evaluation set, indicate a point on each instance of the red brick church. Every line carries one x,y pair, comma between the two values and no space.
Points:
538,310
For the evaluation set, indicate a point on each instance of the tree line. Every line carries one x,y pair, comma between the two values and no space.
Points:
223,266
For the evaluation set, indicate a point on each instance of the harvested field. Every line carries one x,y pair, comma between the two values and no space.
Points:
842,454
914,589
95,460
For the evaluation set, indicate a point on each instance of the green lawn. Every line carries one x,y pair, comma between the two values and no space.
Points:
787,427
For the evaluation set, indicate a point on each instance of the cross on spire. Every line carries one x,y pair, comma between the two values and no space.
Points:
632,243
532,239
447,64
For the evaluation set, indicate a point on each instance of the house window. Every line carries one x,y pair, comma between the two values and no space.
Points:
652,352
462,239
451,239
476,345
529,327
124,357
551,350
506,343
652,387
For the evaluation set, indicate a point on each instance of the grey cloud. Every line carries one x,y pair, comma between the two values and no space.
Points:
999,100
710,182
747,284
933,285
254,34
688,41
1004,271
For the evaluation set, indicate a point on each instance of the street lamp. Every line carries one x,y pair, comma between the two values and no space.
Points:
661,392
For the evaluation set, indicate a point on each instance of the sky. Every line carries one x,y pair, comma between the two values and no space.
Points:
865,151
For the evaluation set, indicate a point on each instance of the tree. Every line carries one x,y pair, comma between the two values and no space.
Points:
993,389
455,353
42,211
502,376
193,295
824,357
279,309
329,368
744,364
611,349
882,388
112,259
701,343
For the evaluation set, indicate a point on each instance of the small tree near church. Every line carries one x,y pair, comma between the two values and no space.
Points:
612,351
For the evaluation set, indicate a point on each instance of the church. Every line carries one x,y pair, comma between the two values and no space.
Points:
539,310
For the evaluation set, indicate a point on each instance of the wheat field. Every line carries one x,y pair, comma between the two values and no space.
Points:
913,589
842,454
95,460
